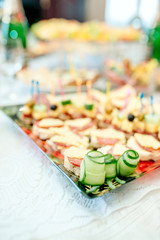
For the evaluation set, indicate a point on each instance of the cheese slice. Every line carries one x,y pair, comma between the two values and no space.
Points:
74,152
42,133
50,122
67,140
63,131
78,123
127,126
109,133
147,141
119,149
105,149
67,133
87,131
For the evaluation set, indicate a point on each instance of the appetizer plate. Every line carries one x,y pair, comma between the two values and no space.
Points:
13,112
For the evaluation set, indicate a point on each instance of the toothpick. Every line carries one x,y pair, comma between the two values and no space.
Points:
141,97
71,66
108,86
32,89
152,104
89,85
78,83
136,103
38,92
61,88
53,89
126,100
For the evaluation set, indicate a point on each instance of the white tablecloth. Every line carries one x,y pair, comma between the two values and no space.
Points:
38,203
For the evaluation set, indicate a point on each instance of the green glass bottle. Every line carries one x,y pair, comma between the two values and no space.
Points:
14,23
154,37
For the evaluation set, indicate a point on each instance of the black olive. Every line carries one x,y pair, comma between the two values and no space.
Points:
53,107
131,117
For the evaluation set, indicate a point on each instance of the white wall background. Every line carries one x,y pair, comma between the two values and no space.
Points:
119,12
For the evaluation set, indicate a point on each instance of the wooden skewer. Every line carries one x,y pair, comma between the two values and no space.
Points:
108,85
53,89
79,83
89,85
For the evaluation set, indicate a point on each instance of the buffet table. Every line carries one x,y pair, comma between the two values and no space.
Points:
38,202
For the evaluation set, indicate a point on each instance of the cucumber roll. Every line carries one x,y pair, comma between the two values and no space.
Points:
40,108
127,163
152,118
92,169
110,166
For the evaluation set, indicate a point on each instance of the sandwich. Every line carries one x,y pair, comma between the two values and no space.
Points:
147,146
118,96
44,129
152,123
73,157
108,136
64,139
81,125
26,115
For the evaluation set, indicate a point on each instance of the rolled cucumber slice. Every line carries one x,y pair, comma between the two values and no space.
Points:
92,169
152,118
110,166
94,162
40,107
131,158
110,170
127,163
93,179
82,171
108,158
120,116
96,157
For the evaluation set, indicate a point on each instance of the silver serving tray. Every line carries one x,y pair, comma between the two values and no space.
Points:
144,167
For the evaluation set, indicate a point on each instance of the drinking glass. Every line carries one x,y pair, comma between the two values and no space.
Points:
11,61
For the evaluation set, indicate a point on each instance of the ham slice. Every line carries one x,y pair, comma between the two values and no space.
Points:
108,136
75,155
107,141
75,161
49,122
80,124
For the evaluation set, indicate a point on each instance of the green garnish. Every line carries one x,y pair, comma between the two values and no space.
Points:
88,106
66,102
